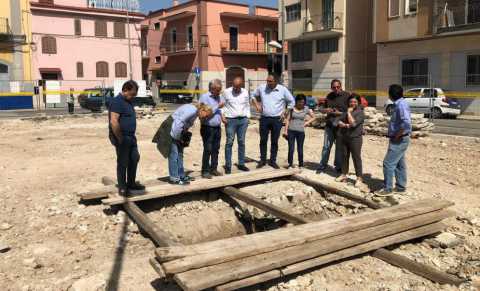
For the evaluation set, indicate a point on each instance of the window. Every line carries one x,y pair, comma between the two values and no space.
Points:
393,8
100,28
119,30
79,70
102,70
411,6
414,93
302,51
78,27
158,60
120,70
233,30
415,72
156,26
429,93
49,45
189,37
293,12
328,45
3,69
473,70
173,39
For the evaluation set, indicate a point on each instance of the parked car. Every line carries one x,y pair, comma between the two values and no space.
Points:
95,98
171,94
430,101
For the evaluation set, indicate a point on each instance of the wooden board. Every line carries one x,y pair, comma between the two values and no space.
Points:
284,237
205,184
211,276
335,256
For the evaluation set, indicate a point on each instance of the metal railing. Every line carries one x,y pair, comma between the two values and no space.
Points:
259,47
4,26
177,47
455,16
329,21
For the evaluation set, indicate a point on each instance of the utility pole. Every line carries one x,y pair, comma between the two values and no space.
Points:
282,24
129,43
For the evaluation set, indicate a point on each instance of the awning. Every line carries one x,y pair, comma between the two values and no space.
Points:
50,70
178,16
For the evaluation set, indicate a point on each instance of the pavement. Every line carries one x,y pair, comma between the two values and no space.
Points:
457,126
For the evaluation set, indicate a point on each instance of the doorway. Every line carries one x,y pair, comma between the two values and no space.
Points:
232,73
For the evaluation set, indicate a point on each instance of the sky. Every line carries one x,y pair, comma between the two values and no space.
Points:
147,5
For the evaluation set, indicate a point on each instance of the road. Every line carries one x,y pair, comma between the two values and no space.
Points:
457,127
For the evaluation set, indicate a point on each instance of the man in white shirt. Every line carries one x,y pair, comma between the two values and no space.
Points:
235,115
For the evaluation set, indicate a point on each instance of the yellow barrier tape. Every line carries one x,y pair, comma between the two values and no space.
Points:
17,94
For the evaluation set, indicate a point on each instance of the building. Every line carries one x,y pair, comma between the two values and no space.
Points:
199,40
329,39
430,43
83,44
15,54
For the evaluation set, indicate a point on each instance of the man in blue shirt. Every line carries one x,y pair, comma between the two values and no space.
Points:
122,127
274,99
211,130
399,130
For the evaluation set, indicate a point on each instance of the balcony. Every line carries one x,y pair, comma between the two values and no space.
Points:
7,37
229,47
178,48
329,22
456,16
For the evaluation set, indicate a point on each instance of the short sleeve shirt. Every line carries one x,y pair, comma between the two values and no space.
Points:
237,104
274,100
128,119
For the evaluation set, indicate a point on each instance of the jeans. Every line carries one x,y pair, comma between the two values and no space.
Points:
353,146
293,136
328,141
269,125
211,137
127,161
175,162
394,164
235,126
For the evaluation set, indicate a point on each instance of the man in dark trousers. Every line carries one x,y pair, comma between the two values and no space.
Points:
336,105
122,127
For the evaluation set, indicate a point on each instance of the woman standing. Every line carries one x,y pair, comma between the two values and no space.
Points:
295,128
350,138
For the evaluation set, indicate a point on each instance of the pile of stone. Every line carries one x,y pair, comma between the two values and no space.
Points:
148,112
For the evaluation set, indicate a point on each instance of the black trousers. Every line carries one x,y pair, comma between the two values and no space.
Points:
299,137
127,161
211,137
353,146
273,126
70,107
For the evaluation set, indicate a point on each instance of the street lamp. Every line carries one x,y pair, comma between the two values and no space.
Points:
274,44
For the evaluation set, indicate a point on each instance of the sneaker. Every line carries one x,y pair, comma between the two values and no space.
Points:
122,192
228,171
243,168
179,182
384,193
289,167
206,176
188,178
320,170
401,191
215,173
136,187
274,165
261,164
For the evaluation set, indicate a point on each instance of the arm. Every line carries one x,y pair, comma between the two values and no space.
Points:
287,122
405,121
289,100
258,105
311,119
115,123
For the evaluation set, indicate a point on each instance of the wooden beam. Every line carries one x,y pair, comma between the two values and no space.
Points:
159,236
335,256
204,185
157,267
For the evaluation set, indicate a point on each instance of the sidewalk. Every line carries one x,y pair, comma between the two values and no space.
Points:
469,117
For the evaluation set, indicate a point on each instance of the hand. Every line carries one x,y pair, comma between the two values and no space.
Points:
285,134
306,123
341,124
328,110
224,120
221,104
350,109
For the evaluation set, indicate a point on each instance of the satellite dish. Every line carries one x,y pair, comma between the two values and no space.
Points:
275,44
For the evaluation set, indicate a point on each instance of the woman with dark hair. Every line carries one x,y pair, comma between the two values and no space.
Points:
295,128
350,138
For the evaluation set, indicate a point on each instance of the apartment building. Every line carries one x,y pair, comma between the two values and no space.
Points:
329,39
430,43
196,41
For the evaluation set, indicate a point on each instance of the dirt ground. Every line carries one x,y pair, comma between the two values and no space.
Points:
54,243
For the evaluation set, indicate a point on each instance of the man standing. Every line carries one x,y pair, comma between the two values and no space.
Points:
122,127
399,130
336,105
236,113
211,131
274,98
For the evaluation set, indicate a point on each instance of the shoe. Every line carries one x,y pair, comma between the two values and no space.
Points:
206,176
243,168
338,170
289,167
261,164
320,170
179,182
228,171
215,173
341,179
122,192
383,193
136,187
401,191
274,165
188,178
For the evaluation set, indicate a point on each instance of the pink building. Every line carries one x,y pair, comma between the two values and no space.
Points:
221,39
84,46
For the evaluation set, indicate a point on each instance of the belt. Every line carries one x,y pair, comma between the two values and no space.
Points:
404,135
276,117
211,126
238,117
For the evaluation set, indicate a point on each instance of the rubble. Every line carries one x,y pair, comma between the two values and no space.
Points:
445,240
92,283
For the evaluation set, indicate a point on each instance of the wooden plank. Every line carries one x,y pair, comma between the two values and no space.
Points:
157,267
335,256
263,205
326,188
204,184
417,268
160,237
211,276
285,237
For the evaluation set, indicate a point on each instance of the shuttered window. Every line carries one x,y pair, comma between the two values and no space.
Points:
119,30
49,45
102,70
79,70
393,8
78,27
100,28
120,70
